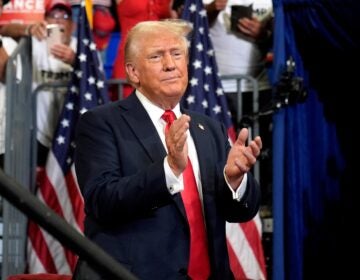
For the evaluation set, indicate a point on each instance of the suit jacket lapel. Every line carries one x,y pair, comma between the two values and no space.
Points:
143,128
200,135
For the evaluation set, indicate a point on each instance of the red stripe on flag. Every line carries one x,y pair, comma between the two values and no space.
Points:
71,258
76,199
253,236
48,193
50,197
235,265
40,247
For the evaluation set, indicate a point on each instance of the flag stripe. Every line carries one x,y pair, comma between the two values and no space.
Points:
57,182
77,202
235,264
39,251
254,241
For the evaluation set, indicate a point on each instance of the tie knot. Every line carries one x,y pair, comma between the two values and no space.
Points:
169,117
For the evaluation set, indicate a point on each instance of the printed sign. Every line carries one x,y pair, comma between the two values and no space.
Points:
23,11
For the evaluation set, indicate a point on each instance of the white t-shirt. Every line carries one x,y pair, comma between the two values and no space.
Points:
48,69
9,45
236,54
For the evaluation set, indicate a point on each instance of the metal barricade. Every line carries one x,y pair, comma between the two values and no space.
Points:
19,157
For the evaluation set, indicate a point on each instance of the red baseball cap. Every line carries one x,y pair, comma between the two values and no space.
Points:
103,25
61,4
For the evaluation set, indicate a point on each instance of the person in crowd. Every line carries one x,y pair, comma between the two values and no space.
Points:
52,62
241,33
241,42
159,182
7,46
103,25
129,13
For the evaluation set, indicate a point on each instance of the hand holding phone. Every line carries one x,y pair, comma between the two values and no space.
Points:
238,12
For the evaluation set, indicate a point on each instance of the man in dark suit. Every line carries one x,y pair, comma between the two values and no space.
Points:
131,167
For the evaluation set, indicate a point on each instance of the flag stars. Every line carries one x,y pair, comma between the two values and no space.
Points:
194,82
91,80
83,110
205,104
201,30
197,64
202,13
192,8
78,74
73,89
88,96
70,106
200,47
190,99
206,87
92,46
210,52
82,57
69,160
100,84
72,144
219,91
65,123
60,140
208,70
217,109
86,41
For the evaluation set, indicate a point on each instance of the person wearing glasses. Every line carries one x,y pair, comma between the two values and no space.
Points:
52,60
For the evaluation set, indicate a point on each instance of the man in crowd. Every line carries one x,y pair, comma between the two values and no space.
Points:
53,58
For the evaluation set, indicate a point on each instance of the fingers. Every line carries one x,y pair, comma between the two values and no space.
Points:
176,144
178,131
242,158
251,27
38,30
63,52
243,136
256,146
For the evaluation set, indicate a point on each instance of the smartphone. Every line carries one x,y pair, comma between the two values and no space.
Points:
54,35
238,12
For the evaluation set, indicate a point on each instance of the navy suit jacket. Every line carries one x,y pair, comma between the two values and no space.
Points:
129,210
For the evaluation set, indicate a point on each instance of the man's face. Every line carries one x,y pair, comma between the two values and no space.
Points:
61,17
161,68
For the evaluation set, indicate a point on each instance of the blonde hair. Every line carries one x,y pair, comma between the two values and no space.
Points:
144,29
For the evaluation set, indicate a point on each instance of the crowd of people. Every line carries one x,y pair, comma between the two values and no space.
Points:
152,55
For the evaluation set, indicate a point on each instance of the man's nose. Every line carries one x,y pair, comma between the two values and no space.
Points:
168,62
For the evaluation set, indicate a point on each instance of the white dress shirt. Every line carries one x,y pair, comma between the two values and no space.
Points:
174,183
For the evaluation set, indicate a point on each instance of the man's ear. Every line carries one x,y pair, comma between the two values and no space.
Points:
132,73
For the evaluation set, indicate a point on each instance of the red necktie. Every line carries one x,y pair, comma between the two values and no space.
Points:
199,265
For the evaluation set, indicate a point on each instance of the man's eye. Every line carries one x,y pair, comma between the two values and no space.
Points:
155,57
177,54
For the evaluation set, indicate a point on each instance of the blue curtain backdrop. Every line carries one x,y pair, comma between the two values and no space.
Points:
315,148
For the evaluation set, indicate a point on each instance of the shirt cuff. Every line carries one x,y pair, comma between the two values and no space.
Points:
239,193
173,183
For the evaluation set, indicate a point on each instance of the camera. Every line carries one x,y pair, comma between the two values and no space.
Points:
290,89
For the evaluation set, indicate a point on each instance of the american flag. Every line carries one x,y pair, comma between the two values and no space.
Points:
58,186
205,95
